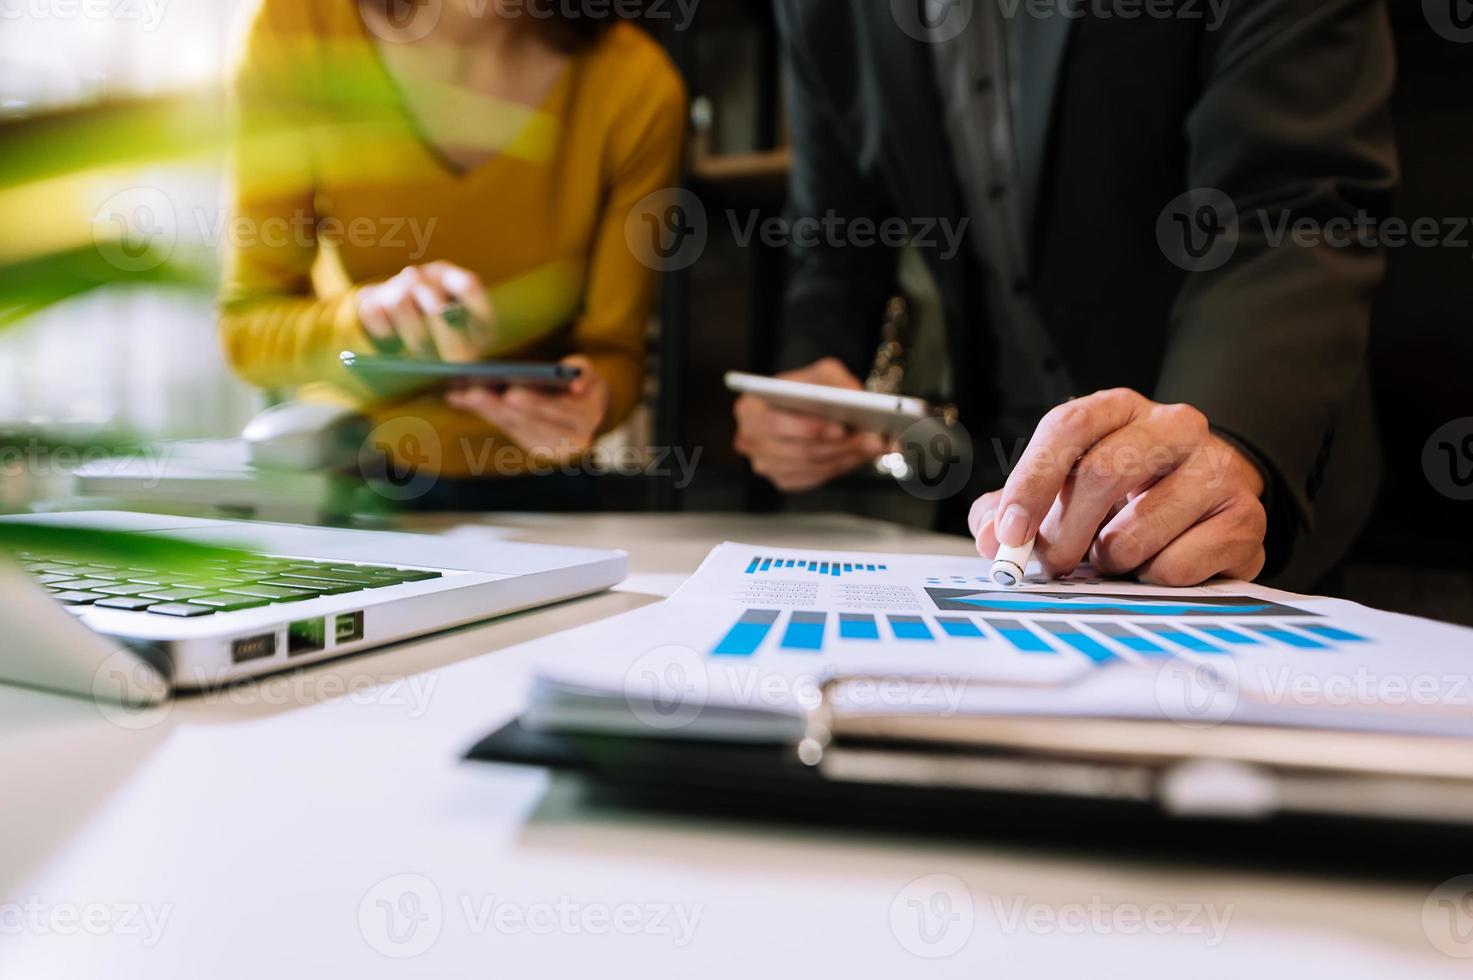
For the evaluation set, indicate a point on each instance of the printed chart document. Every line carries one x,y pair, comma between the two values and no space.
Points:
743,649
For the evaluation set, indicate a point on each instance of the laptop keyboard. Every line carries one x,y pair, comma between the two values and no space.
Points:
213,586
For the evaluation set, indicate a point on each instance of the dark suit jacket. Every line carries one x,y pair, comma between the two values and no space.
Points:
1283,107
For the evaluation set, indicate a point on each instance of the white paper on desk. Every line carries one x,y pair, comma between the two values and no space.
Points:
743,648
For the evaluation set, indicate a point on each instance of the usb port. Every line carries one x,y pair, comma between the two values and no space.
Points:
349,627
306,636
253,648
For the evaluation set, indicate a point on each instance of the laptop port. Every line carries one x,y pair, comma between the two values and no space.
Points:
253,648
306,636
349,627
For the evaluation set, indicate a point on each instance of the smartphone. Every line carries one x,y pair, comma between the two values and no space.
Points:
403,374
866,410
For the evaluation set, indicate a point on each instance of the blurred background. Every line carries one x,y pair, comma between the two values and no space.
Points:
112,204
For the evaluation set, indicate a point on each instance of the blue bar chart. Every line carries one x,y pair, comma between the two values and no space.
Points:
746,636
765,565
1102,642
1076,604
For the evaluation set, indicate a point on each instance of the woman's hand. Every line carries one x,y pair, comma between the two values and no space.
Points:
555,425
407,312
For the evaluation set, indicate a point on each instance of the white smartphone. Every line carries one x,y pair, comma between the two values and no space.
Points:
866,410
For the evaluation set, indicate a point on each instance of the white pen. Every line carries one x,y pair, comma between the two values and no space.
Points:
1010,566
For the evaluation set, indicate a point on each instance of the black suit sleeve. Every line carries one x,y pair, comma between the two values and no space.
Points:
836,293
1293,124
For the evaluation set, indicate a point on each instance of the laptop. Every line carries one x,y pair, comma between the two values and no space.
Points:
300,595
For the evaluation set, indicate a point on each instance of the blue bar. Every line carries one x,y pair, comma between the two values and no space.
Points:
1182,638
1332,633
1129,639
1291,638
910,628
858,626
1021,636
1087,645
753,567
869,568
743,639
1226,635
789,563
834,571
805,631
961,629
848,567
766,564
883,567
823,569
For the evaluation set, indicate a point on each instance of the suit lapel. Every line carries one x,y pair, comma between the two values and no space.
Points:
1041,45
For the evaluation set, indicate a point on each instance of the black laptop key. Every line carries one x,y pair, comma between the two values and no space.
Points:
97,571
161,579
208,585
181,610
415,575
125,603
75,598
311,585
339,575
124,591
270,592
229,603
82,584
174,595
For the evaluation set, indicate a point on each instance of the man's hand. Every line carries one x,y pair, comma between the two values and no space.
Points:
406,311
547,425
800,452
1143,489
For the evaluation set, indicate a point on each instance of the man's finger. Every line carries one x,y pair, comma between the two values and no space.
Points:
1229,543
1064,435
1158,440
983,523
1150,522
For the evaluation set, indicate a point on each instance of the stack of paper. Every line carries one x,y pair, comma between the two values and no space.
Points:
744,648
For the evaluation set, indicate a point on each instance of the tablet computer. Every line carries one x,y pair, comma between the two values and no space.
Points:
408,374
865,410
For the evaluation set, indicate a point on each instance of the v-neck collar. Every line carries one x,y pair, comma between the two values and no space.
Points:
412,122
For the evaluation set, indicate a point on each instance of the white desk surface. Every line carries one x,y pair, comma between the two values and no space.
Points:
304,833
